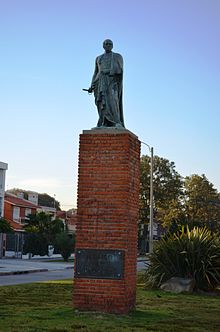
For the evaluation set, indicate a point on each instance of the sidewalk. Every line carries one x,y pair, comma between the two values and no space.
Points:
19,266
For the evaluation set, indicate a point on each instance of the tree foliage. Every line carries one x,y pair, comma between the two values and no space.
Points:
167,184
47,200
44,229
202,202
44,224
65,244
36,244
5,227
191,201
16,191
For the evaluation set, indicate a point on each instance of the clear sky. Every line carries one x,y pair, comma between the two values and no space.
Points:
171,52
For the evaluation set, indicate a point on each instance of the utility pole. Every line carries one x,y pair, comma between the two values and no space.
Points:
151,235
151,197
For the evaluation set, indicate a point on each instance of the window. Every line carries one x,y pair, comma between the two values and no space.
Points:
27,212
1,206
16,213
1,179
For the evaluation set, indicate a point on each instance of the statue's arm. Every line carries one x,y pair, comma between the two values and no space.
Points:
94,75
117,68
121,64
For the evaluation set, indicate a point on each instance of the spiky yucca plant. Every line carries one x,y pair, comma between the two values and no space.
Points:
189,254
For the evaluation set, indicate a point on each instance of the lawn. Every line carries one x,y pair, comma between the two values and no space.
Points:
48,307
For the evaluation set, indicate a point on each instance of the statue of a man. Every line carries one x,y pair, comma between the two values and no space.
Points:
107,87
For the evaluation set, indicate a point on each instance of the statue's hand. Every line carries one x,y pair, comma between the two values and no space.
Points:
90,90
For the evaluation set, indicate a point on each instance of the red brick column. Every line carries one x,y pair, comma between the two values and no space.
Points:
107,215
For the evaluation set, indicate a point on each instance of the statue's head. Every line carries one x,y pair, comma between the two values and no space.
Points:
108,45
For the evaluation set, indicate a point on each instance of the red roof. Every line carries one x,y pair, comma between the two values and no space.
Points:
14,200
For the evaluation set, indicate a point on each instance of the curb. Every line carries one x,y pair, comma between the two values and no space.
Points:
32,271
22,272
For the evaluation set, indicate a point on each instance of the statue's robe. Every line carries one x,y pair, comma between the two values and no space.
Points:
107,85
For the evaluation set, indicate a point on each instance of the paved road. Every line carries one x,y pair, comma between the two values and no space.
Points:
36,277
56,271
20,265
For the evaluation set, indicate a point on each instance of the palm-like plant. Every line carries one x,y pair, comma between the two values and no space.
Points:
189,254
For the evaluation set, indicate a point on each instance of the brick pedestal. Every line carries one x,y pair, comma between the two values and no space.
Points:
107,215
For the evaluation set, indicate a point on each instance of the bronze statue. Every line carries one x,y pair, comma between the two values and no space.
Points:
107,87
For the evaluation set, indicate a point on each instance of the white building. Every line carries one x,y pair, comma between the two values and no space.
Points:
33,198
3,168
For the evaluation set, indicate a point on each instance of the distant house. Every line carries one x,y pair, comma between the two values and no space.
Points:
3,168
47,209
33,197
69,218
17,209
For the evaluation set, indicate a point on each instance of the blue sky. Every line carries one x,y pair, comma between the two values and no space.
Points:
171,53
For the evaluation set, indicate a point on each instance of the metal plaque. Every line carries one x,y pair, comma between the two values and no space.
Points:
99,264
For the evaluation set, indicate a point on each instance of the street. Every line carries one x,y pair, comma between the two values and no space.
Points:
58,274
26,278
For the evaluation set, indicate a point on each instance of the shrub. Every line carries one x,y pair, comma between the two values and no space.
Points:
188,254
36,244
65,244
5,227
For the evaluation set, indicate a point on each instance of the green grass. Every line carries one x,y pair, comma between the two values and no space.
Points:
48,307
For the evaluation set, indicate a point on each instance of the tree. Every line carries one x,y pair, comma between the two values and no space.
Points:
16,191
45,230
47,200
5,227
44,224
65,244
36,244
202,202
168,191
